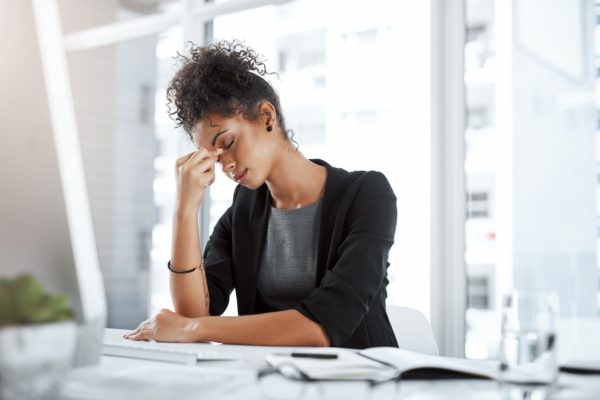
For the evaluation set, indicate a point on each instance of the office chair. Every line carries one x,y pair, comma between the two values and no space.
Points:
412,330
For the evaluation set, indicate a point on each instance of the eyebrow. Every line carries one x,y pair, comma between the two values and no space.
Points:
214,139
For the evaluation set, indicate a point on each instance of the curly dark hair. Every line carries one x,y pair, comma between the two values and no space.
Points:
223,78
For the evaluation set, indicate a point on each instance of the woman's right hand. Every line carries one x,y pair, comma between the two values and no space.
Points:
195,172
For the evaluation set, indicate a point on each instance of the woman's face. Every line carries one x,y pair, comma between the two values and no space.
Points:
249,150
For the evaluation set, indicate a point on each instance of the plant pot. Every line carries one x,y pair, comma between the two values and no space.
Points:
33,359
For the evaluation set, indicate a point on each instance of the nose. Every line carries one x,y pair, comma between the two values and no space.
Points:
228,165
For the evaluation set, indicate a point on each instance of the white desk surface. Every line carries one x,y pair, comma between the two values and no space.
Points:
125,378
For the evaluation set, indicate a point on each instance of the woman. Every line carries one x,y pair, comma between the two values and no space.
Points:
304,244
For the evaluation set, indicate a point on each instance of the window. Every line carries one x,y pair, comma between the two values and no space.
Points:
355,91
480,287
531,167
114,90
477,205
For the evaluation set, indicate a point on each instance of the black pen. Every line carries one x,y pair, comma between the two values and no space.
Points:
323,356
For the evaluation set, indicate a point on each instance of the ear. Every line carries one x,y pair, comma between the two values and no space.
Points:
267,114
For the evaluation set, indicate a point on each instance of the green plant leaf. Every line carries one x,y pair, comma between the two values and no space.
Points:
51,308
28,295
23,301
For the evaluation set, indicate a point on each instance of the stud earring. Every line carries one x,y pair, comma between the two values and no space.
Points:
269,128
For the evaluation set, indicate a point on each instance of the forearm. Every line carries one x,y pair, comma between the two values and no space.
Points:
188,291
281,328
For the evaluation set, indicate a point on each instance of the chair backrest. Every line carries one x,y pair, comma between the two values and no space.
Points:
412,330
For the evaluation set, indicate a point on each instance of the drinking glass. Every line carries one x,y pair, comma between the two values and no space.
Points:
528,364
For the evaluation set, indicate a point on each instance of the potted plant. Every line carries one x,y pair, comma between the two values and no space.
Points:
37,339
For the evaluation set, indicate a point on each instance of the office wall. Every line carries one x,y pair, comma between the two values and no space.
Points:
34,236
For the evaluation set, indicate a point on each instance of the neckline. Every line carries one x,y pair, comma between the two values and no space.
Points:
306,207
323,193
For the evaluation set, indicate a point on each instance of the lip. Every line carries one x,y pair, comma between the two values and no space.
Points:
240,177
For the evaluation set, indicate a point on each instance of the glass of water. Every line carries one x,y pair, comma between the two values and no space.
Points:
528,364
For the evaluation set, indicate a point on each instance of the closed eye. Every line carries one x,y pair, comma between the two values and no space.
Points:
230,144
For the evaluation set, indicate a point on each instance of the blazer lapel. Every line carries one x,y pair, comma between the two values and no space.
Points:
252,246
328,215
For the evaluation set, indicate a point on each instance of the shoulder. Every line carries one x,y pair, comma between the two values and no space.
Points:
370,190
343,183
375,182
364,202
372,180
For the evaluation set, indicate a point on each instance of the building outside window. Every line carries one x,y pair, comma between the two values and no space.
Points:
355,92
531,132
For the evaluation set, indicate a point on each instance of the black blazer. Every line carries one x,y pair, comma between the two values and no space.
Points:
358,223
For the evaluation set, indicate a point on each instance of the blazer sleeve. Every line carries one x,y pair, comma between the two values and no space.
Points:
342,300
218,263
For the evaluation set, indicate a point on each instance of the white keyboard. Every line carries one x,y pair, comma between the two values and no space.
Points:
168,352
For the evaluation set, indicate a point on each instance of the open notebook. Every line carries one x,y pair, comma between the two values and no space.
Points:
423,366
383,363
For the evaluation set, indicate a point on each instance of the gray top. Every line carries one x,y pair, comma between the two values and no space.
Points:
288,266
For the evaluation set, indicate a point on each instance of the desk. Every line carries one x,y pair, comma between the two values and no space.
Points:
124,378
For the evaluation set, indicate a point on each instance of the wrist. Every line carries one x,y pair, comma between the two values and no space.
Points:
188,205
198,329
186,212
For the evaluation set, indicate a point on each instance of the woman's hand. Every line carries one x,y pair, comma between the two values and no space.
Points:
167,326
195,172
